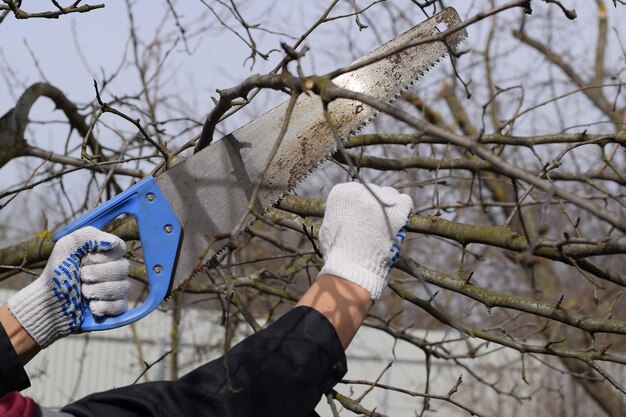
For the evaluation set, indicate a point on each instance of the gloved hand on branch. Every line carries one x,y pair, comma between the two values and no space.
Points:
361,233
87,263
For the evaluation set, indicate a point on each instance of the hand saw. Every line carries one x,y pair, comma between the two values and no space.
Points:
185,214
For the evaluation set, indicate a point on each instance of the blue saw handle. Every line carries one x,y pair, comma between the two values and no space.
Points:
160,233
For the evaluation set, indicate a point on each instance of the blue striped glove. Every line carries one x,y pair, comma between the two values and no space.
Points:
87,262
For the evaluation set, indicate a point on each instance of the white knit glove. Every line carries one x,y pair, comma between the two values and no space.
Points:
52,306
361,233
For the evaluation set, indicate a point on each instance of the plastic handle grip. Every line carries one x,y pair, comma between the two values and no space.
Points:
160,233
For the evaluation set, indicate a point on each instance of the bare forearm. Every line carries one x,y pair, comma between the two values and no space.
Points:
342,302
22,342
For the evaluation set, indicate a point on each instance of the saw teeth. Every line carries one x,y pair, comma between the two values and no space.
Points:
367,122
357,130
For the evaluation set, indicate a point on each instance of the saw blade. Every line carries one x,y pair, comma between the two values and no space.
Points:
213,192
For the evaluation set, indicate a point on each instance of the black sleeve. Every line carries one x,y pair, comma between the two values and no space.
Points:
12,374
282,370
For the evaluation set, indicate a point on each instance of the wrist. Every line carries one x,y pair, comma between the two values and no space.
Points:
342,302
23,343
370,273
43,312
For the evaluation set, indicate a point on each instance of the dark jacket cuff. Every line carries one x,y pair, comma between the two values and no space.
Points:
13,377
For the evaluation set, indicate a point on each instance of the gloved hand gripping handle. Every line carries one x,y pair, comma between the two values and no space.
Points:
160,233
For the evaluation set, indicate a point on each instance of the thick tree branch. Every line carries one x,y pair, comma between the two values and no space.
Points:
471,165
521,141
491,299
14,123
282,82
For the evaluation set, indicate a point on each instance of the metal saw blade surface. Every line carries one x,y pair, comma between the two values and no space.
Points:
211,191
